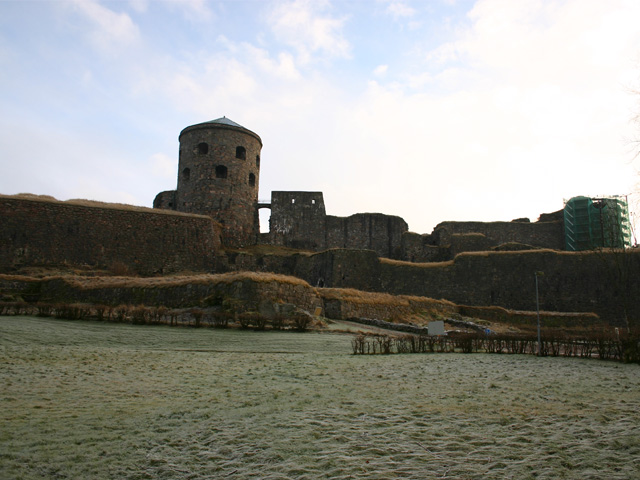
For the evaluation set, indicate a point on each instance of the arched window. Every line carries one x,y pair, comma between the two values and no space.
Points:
252,180
258,161
186,174
241,153
203,148
221,171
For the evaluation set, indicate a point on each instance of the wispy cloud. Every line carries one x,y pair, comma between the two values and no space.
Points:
400,9
309,28
109,31
196,11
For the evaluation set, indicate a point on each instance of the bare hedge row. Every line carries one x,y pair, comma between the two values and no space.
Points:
144,315
616,346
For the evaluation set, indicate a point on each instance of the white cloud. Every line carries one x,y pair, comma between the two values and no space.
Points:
284,67
380,70
303,25
139,6
399,9
196,11
110,31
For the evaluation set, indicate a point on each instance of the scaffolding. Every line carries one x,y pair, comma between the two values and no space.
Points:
592,223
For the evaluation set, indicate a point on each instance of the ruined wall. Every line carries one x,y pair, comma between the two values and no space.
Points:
165,200
37,232
420,248
586,282
299,220
539,234
370,231
603,283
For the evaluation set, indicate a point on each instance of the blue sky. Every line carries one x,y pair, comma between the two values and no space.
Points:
432,110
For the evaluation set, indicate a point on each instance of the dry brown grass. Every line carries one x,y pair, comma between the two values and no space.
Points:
278,250
389,261
520,252
377,298
81,202
86,282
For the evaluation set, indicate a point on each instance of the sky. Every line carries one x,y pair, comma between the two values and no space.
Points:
431,110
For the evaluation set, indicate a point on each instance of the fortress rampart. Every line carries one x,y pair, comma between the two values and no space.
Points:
43,232
599,282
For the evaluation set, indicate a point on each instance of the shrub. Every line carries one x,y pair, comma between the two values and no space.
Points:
301,322
44,310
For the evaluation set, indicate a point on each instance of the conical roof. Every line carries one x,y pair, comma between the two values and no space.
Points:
222,122
226,121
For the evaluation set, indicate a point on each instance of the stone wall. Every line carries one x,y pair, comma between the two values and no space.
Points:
249,290
451,238
572,282
37,232
540,234
420,248
299,220
372,231
598,282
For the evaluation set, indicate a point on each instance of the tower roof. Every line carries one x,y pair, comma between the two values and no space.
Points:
226,121
222,122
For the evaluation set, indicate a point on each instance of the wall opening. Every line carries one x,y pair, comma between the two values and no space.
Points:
186,174
257,161
203,148
221,171
252,180
241,153
265,216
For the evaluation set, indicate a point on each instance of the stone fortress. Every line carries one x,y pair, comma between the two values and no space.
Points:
218,176
210,223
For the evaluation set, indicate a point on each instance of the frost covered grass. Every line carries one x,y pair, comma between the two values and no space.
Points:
99,400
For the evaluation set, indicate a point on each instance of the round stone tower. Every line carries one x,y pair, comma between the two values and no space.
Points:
218,174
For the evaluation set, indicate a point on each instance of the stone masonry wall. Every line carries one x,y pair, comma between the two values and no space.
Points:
371,231
603,283
299,220
248,290
573,282
35,232
539,234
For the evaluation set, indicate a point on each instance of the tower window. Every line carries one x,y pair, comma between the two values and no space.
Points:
252,180
258,161
186,174
203,148
221,171
241,153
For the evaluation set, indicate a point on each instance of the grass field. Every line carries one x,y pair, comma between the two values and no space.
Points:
97,400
